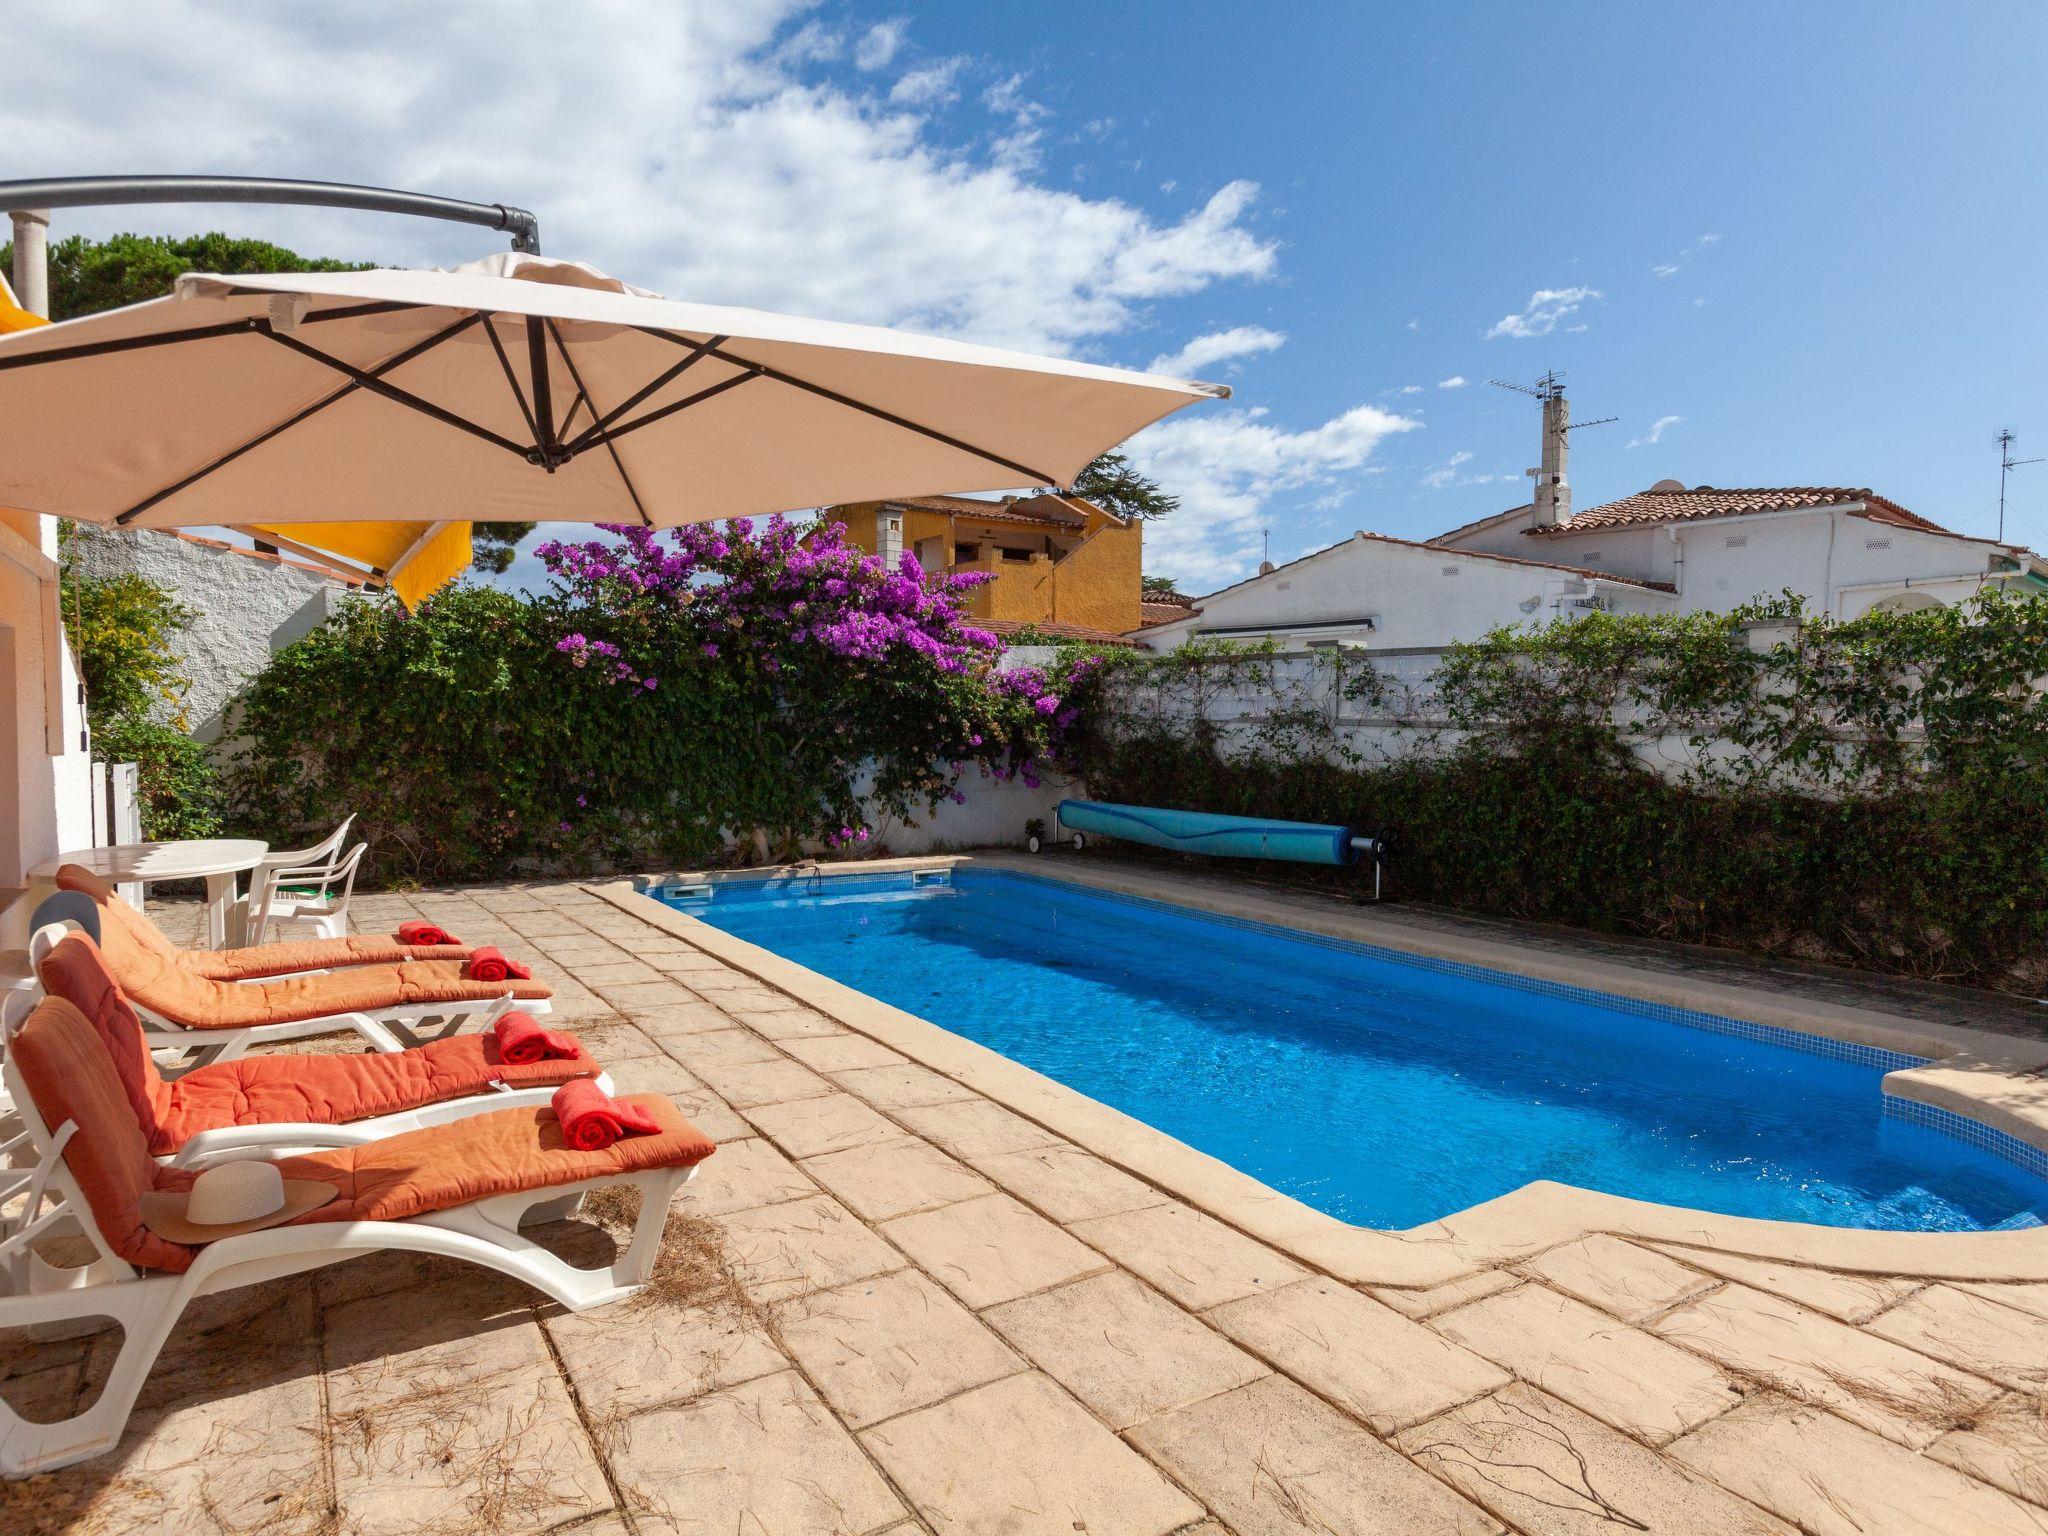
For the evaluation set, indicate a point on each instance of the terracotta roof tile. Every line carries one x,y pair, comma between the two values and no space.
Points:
1009,627
1156,610
1716,501
1038,511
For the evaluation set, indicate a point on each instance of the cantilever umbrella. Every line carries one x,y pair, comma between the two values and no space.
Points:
521,389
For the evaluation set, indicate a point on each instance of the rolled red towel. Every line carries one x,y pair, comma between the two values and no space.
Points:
592,1121
523,1040
417,930
490,964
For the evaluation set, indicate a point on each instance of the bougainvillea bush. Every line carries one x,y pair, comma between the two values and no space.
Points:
720,690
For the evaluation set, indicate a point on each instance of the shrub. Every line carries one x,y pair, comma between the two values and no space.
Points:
123,632
1865,792
673,691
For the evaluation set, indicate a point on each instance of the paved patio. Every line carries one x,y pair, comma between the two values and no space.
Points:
908,1309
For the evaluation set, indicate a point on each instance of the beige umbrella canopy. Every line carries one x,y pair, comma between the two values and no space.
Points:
521,389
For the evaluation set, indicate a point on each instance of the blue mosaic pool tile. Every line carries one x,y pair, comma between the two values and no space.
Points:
1998,1143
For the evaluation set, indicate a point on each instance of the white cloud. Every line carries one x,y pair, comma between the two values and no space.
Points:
1452,473
879,44
1447,471
1216,347
685,148
1455,381
1671,267
1656,432
1410,389
1229,466
929,84
1412,325
1546,307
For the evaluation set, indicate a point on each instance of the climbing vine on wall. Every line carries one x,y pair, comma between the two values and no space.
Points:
123,631
1867,792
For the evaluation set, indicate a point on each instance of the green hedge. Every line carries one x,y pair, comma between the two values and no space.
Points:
478,738
1877,798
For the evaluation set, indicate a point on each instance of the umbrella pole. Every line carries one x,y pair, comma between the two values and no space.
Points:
543,399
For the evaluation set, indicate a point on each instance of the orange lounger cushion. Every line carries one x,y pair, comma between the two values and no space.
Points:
65,1067
312,955
153,974
262,1090
123,931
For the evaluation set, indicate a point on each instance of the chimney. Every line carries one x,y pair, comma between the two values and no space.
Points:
889,534
1553,489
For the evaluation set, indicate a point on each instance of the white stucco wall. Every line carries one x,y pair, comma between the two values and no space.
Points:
1839,563
993,816
1418,596
46,798
246,607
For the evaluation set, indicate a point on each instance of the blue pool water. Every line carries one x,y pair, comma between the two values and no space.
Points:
1380,1090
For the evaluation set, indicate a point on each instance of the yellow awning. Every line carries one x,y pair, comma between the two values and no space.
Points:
416,559
12,316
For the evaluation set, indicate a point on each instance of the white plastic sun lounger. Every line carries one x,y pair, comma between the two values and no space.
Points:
390,1028
282,1138
147,1303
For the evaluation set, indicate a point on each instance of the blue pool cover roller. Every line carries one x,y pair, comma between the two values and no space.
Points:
1228,837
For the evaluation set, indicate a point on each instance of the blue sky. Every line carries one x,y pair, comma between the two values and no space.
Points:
1784,244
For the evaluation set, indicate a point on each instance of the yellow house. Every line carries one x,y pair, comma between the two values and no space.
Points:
1060,564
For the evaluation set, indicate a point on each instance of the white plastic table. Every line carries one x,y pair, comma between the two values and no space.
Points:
216,860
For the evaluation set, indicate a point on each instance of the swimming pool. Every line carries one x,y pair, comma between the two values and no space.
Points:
1382,1089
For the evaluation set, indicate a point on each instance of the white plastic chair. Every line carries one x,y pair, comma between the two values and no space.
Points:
308,900
320,855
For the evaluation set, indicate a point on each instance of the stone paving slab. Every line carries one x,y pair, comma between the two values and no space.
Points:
1633,1380
1549,1470
1366,1358
1122,1348
1274,1460
1831,1478
1021,1456
934,1315
1869,1380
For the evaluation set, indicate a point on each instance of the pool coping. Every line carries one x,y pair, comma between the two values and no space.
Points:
1973,1074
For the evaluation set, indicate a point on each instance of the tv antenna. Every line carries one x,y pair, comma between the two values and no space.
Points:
2006,465
1547,389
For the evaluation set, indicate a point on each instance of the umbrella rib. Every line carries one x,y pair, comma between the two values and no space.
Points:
583,394
698,352
411,352
1037,476
396,395
189,333
504,362
611,434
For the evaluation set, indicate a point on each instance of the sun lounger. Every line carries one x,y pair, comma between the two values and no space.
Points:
123,929
220,1020
288,1102
459,1190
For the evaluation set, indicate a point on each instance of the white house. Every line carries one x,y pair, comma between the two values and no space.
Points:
1393,594
1669,549
1845,551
